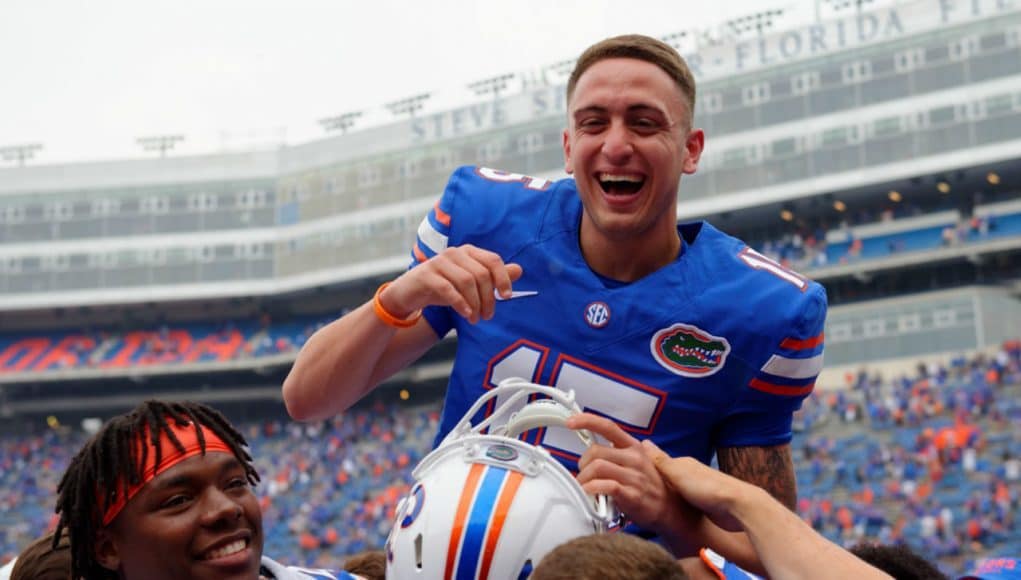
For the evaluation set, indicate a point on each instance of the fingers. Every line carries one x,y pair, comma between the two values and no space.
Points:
604,427
473,274
659,458
625,485
671,469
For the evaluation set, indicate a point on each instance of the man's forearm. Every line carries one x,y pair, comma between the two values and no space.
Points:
334,369
788,547
770,468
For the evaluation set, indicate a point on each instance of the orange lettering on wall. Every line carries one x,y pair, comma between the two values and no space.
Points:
30,348
222,349
131,343
61,355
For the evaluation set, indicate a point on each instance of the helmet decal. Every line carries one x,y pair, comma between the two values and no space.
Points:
416,499
502,453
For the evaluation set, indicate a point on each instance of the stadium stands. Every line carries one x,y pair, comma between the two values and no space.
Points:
938,467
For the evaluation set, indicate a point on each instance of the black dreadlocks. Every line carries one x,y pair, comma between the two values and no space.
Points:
89,486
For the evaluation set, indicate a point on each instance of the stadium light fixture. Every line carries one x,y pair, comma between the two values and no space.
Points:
20,153
161,143
340,122
493,85
993,178
408,106
562,68
839,6
758,22
676,39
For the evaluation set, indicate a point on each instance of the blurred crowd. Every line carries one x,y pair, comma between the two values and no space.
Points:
931,460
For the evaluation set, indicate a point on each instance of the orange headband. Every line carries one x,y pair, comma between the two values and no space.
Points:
171,456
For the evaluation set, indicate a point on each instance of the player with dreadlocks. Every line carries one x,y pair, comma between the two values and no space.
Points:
164,492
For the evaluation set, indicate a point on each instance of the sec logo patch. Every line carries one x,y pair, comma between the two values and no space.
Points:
597,314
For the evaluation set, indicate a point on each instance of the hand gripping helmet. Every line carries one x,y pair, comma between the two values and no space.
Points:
489,506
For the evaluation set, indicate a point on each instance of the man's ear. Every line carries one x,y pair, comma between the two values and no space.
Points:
107,550
568,163
694,144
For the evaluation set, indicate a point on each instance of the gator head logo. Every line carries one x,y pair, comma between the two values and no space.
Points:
689,351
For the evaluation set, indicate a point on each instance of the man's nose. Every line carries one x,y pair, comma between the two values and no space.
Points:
219,507
617,145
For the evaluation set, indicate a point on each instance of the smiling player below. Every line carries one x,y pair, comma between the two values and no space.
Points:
679,334
165,493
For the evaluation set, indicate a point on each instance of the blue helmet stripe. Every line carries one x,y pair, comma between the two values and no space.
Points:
478,523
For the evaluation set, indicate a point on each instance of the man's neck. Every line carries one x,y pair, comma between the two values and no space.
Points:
631,259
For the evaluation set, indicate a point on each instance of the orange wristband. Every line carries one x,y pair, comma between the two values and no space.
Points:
390,319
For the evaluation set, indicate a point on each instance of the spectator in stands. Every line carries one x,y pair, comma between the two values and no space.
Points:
165,493
608,557
44,559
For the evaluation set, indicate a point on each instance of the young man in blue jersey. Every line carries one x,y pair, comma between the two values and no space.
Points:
679,334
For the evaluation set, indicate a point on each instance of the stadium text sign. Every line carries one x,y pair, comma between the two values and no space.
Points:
714,59
835,35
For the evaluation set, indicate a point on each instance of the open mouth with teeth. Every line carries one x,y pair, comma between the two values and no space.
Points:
613,184
226,550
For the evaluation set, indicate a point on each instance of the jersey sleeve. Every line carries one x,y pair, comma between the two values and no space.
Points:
433,237
763,412
488,208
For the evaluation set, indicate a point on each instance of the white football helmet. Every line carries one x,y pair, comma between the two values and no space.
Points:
490,506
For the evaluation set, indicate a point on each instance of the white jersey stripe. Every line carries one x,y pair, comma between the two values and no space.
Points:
793,368
432,239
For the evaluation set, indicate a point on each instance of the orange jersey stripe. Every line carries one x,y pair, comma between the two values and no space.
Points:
780,389
418,254
510,489
463,507
796,344
441,216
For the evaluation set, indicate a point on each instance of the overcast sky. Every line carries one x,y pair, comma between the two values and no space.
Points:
85,78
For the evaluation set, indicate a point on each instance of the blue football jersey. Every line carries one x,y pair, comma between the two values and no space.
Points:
716,349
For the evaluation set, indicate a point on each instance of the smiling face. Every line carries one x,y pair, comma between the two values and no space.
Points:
628,141
197,520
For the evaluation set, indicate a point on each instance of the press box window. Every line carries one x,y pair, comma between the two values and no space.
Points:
856,72
888,127
755,94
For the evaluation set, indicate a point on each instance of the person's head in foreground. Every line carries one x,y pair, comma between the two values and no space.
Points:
897,561
995,569
629,137
162,492
616,556
370,565
44,559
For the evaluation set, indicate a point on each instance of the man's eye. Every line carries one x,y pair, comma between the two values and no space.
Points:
645,124
590,124
237,482
174,501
